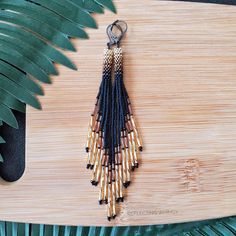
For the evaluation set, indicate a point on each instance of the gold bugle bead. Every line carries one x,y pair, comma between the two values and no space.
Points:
135,159
92,121
120,183
92,140
107,160
90,153
95,110
93,160
110,172
96,169
100,139
117,192
106,184
126,144
119,156
89,160
109,193
102,188
131,151
124,177
98,176
98,126
113,200
109,213
95,149
130,124
127,125
104,155
127,165
138,140
89,137
93,176
134,150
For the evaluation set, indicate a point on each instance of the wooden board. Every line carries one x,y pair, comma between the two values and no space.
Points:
180,71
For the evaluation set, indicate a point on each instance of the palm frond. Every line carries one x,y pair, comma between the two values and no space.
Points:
31,31
2,140
218,227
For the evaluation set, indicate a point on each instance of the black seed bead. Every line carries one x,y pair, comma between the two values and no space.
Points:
88,166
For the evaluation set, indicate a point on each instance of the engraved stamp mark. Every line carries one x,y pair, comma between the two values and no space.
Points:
191,175
146,212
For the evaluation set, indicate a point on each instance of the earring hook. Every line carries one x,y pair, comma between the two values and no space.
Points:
115,39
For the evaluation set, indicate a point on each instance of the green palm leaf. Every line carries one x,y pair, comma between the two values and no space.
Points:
11,101
44,30
18,92
37,43
70,11
49,17
107,3
30,53
217,227
20,78
30,34
2,140
7,116
89,5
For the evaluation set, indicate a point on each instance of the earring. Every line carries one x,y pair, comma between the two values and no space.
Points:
113,141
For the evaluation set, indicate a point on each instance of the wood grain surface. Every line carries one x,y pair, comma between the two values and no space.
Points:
180,71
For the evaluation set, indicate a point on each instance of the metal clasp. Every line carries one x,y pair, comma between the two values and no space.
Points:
116,32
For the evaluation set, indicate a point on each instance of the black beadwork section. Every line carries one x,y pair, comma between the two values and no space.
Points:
13,151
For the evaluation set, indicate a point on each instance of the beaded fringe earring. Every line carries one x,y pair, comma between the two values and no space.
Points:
113,141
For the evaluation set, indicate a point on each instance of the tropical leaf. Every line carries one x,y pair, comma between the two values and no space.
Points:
2,140
31,31
37,43
107,3
7,116
218,227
